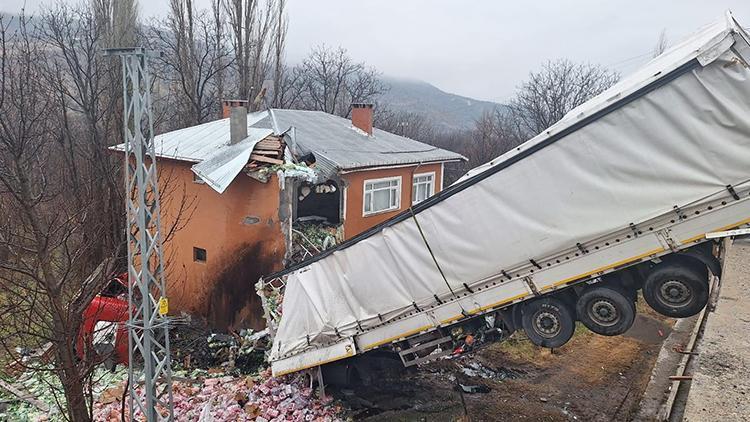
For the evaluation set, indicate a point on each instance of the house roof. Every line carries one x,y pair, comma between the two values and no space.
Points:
197,143
335,143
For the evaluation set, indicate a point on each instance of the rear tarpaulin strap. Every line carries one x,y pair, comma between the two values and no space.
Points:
733,192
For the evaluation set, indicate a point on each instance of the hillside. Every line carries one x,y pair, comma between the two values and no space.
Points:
449,110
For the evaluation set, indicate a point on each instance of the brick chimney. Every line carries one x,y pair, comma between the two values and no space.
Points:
237,124
362,117
226,106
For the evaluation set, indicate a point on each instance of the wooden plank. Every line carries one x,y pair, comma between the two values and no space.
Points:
265,159
22,395
269,147
272,143
264,152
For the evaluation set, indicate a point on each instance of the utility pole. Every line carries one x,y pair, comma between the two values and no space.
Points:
148,331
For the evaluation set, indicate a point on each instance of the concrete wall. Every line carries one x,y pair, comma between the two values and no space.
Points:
241,233
354,220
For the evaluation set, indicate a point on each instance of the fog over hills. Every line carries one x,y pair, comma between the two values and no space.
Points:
447,110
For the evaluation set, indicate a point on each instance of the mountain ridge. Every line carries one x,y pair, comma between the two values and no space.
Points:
444,109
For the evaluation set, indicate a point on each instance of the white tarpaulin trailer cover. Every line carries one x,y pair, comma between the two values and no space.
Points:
673,133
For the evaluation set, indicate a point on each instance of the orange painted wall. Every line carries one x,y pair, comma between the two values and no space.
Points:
238,253
354,221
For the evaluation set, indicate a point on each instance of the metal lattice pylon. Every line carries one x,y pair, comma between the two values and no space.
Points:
149,388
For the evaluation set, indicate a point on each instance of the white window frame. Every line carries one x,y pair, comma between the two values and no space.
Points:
414,186
197,179
397,188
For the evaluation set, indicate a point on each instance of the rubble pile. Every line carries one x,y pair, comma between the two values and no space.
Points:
271,294
321,236
259,398
194,347
310,239
284,171
217,377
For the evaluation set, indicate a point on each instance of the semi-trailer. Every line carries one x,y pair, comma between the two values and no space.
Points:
615,198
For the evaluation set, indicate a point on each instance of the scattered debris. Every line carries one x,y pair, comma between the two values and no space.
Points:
310,239
476,369
474,389
43,388
241,398
43,355
194,347
25,396
284,170
271,298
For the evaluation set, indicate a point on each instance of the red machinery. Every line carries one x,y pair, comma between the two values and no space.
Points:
103,331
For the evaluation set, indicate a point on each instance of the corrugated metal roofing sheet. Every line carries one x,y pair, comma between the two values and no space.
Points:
349,148
332,139
195,143
220,169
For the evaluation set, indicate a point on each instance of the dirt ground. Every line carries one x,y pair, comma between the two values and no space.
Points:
592,378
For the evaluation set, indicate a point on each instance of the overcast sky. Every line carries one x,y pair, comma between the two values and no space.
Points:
483,48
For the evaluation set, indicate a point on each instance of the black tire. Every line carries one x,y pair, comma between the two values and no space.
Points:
676,290
548,322
606,310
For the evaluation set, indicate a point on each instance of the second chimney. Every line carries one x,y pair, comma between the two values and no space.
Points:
362,117
237,124
226,106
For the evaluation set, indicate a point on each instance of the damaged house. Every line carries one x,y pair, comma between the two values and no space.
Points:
239,193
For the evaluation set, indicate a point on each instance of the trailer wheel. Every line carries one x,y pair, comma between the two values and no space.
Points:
606,310
676,290
548,322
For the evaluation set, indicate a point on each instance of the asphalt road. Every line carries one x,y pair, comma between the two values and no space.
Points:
720,389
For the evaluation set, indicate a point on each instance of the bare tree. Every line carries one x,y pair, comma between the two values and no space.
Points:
222,63
495,133
61,207
85,86
556,89
49,277
329,80
661,43
289,88
280,31
405,123
252,23
194,57
118,19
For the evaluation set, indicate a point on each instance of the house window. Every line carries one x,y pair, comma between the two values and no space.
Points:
382,195
423,187
197,179
199,255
